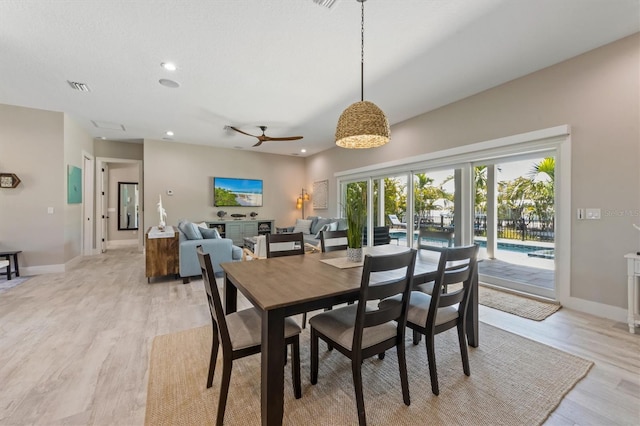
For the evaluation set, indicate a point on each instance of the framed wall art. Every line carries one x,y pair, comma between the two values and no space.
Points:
320,194
74,185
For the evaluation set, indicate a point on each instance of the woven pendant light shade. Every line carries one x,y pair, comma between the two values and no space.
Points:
362,125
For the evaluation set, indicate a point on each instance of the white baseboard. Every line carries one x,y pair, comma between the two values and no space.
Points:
598,309
121,243
26,271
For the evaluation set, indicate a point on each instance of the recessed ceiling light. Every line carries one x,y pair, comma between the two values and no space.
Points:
303,150
169,83
169,133
103,138
169,66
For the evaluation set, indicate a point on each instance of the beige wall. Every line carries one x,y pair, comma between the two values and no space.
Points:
596,93
188,170
76,141
117,149
37,145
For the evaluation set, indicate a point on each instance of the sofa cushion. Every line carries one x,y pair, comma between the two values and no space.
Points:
208,233
318,224
333,226
190,230
303,225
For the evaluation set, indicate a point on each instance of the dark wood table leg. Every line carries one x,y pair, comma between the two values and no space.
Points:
8,267
272,381
472,314
230,296
15,265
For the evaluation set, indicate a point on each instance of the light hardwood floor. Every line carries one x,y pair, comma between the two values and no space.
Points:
74,347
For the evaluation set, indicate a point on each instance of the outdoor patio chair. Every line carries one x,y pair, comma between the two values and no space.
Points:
395,222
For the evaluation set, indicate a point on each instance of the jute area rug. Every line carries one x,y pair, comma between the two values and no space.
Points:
518,305
514,381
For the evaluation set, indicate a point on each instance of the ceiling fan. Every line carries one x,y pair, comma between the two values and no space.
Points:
263,137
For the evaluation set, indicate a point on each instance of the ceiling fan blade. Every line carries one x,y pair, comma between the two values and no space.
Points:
258,144
240,131
289,138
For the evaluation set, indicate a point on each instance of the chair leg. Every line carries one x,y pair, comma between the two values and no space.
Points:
381,356
416,337
462,338
304,320
295,368
313,371
214,356
404,377
431,357
224,390
356,368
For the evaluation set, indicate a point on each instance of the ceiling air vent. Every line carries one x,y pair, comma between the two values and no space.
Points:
326,3
79,86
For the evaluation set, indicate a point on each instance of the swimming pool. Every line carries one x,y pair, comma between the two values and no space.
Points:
532,250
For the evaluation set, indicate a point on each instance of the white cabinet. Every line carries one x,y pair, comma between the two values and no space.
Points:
633,288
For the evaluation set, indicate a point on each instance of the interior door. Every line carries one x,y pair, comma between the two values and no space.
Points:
104,188
87,206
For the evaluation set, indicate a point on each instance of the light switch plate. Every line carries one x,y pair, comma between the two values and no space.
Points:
593,214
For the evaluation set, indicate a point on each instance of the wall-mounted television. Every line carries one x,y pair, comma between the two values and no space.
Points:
234,192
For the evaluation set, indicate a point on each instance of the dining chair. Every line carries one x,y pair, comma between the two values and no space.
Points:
279,245
360,331
284,244
240,334
432,314
333,240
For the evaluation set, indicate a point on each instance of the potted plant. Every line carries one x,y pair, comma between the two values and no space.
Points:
356,212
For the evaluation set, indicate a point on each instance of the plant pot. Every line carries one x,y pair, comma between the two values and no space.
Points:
354,254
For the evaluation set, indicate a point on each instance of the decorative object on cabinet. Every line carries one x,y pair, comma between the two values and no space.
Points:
320,194
238,216
253,215
221,214
74,185
163,214
9,180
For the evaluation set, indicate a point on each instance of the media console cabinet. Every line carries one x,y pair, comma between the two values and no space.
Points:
238,230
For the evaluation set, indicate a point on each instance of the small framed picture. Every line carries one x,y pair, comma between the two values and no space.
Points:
8,180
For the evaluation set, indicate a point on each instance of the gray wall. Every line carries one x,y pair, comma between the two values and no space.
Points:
598,94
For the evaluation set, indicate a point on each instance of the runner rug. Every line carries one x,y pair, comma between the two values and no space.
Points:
514,381
518,305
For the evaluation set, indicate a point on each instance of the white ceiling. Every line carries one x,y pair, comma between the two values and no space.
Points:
291,65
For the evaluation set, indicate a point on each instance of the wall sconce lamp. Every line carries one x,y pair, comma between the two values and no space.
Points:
304,197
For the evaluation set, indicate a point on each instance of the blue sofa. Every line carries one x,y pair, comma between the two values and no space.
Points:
316,223
221,250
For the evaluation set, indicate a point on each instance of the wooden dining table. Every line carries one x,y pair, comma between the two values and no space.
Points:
284,286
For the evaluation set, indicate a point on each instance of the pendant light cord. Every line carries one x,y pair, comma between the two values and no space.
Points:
362,52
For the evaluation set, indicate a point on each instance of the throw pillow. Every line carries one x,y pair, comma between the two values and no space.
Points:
325,227
333,226
190,230
203,225
303,226
209,233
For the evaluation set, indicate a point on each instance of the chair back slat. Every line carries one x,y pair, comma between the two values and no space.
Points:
279,245
369,316
213,297
333,240
457,265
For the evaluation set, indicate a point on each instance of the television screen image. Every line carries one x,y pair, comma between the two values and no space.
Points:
230,192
